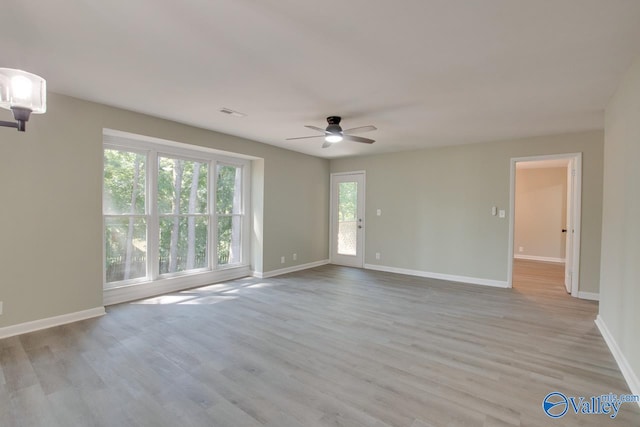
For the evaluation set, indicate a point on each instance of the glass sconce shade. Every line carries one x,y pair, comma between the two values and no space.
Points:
20,89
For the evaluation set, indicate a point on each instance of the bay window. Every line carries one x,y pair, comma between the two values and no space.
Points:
171,211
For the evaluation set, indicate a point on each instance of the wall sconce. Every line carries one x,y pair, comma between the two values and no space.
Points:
23,93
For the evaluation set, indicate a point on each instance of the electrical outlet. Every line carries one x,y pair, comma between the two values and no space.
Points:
379,212
295,257
0,307
502,213
281,260
521,249
377,255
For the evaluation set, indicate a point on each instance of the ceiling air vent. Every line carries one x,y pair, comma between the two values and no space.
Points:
231,112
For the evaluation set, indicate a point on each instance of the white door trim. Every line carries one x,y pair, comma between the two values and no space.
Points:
331,206
577,213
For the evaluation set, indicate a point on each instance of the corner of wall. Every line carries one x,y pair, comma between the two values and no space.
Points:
626,369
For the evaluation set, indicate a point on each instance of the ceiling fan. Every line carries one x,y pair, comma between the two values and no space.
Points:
334,133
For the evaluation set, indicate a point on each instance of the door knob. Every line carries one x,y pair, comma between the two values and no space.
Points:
564,230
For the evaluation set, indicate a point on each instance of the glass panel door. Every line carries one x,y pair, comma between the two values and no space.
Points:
347,219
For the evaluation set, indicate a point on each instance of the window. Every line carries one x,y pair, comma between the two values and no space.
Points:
229,213
183,215
125,219
166,214
347,218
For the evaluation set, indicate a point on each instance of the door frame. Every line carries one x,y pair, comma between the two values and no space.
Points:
331,206
577,213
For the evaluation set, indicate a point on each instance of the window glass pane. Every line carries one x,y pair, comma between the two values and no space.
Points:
347,237
126,248
183,243
229,190
124,182
347,221
182,186
348,201
229,239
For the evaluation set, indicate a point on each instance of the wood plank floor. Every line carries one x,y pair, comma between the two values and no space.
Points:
331,346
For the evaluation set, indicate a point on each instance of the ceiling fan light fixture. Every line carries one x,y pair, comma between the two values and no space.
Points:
334,133
333,138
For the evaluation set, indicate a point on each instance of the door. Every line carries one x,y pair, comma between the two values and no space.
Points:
569,229
347,219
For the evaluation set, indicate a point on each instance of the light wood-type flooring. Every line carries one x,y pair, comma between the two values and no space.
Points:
330,346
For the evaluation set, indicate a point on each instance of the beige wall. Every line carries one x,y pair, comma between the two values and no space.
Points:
541,212
620,271
436,205
51,215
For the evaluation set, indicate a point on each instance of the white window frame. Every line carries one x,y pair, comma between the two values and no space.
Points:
155,283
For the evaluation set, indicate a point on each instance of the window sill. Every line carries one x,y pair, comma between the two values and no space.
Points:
139,290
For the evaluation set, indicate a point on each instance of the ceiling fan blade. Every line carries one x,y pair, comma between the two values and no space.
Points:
306,137
327,144
358,139
360,129
316,128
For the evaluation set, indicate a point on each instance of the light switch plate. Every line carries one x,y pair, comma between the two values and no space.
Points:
502,213
379,212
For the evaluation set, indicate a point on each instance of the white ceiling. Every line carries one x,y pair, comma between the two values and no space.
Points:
425,72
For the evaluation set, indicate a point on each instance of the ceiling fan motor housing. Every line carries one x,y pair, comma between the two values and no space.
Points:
334,124
334,129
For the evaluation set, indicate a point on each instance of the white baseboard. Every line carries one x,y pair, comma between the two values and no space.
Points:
623,364
36,325
292,269
540,258
449,277
589,295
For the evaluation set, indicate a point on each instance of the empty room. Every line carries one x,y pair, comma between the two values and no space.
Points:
286,213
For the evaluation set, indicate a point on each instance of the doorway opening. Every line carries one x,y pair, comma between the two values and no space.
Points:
544,220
